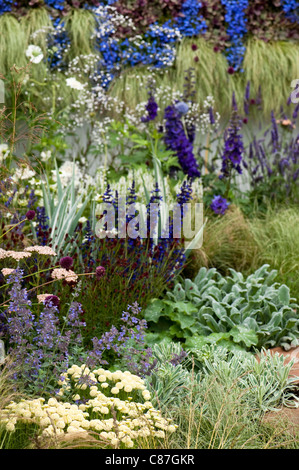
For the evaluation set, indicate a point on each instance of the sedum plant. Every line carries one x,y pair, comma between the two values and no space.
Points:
233,311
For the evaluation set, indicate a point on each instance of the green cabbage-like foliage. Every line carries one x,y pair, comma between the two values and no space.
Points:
239,313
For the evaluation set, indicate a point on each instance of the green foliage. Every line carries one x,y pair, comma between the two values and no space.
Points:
64,214
276,236
264,382
250,313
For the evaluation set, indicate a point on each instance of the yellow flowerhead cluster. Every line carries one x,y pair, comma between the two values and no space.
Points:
119,421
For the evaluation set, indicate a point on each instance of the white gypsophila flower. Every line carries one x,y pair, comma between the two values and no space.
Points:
45,155
66,172
23,173
34,54
4,152
72,82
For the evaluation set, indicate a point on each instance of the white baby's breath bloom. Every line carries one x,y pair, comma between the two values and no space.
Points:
34,54
45,155
74,83
23,173
4,152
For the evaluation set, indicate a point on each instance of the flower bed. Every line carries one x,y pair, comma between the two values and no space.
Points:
149,248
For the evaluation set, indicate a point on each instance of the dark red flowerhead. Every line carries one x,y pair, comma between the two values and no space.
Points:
66,262
100,272
51,301
30,215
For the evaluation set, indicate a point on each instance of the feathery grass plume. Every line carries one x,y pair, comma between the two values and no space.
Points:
277,237
80,25
36,19
131,86
227,243
273,66
12,43
210,72
8,393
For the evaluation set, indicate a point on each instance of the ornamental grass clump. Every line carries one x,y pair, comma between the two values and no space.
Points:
114,405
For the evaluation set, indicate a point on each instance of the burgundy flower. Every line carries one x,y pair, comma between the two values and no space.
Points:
231,70
66,262
196,59
51,300
194,47
30,215
100,272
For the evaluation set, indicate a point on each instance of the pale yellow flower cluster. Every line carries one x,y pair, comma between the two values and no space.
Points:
41,250
118,421
64,274
17,255
7,271
27,252
42,297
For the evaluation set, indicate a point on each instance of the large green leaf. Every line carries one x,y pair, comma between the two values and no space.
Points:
284,294
241,334
185,307
155,310
185,321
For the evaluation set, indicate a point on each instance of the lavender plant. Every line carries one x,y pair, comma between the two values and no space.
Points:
32,340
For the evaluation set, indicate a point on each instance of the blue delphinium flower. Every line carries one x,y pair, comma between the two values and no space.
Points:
57,4
58,43
190,22
219,205
5,6
291,9
236,29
